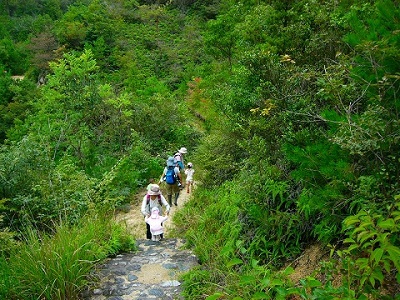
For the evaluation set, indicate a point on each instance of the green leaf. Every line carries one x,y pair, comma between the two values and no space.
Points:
289,270
352,247
351,220
377,255
276,282
260,295
358,229
362,263
215,296
265,281
247,279
372,281
394,253
312,282
377,274
349,240
254,263
386,265
387,224
362,237
234,262
362,281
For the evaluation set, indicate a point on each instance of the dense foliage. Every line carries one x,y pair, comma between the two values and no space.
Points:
289,109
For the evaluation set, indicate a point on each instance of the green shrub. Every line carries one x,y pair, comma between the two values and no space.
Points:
373,254
368,268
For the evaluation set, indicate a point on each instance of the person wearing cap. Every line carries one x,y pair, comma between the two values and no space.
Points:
155,222
172,189
179,158
153,198
189,177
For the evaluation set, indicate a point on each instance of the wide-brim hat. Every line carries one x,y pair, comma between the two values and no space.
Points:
182,150
171,161
154,190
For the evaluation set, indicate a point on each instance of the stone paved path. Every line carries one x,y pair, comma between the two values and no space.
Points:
151,273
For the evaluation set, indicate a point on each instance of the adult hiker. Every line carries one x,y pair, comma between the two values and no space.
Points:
173,179
179,158
153,198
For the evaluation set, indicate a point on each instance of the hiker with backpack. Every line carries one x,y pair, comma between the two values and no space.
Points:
153,198
173,179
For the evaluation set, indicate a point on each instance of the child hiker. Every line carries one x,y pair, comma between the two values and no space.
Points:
156,224
189,177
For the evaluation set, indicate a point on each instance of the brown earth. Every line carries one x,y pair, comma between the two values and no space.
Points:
307,262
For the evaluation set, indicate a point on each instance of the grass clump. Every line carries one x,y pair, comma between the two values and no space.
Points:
58,266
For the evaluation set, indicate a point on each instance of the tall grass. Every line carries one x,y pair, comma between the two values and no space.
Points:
58,266
5,282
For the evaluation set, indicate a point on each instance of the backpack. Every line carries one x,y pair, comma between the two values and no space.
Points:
170,176
148,199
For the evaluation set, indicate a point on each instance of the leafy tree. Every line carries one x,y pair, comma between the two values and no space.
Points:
12,57
67,109
220,37
17,95
21,165
44,47
369,127
72,29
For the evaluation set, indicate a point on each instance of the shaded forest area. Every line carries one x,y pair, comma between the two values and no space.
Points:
289,111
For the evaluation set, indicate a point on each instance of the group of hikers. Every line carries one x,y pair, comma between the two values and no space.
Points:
154,201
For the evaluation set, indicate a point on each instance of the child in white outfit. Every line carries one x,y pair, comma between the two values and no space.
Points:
155,221
189,171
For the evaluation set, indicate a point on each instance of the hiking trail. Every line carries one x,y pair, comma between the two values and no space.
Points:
150,273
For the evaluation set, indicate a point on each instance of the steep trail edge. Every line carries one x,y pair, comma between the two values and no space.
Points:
153,271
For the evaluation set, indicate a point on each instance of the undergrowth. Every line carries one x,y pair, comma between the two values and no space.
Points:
58,266
232,267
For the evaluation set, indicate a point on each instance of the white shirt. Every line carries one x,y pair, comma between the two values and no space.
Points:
189,174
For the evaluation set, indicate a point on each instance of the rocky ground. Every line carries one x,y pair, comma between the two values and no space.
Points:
150,273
